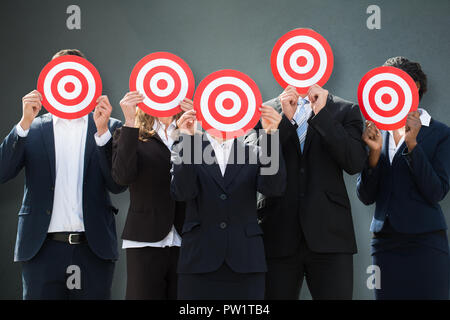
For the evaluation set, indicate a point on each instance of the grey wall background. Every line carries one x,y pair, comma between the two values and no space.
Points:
211,35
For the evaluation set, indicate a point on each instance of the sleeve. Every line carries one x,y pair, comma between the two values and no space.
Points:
367,184
431,177
287,129
343,139
124,155
104,151
271,181
103,139
184,184
22,133
12,155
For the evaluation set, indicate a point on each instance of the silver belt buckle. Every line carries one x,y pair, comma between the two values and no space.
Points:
70,239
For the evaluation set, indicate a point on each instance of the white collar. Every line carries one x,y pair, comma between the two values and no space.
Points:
305,98
158,124
425,117
58,119
215,143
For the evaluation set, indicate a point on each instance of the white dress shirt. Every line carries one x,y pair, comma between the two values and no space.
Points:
425,119
222,151
173,239
70,144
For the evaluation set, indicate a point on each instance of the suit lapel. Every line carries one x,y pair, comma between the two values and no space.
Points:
213,169
158,138
310,132
425,131
385,150
49,141
90,142
236,161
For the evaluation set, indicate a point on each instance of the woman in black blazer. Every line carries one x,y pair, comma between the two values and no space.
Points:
222,253
151,237
407,175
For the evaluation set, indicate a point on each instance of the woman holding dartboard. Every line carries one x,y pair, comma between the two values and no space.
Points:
141,160
407,175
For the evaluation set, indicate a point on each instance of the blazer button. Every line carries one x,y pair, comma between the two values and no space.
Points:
302,170
223,196
49,212
52,189
223,225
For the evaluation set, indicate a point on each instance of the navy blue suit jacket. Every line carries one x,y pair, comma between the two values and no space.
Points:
409,191
36,153
221,222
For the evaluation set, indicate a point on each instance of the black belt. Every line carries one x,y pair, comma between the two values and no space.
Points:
68,237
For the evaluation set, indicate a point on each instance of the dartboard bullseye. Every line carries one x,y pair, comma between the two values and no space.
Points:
165,80
386,95
227,103
302,58
70,86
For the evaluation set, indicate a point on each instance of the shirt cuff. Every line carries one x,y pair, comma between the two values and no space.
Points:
103,139
20,132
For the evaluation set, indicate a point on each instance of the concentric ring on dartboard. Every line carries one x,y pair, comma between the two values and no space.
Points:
227,103
386,95
165,80
302,58
70,86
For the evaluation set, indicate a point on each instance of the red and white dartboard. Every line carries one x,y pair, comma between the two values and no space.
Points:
70,86
227,103
165,80
302,58
386,95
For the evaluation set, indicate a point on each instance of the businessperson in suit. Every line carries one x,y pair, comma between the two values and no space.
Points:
308,231
151,236
66,218
406,176
222,252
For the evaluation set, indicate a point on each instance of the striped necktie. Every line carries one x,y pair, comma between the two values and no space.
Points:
301,118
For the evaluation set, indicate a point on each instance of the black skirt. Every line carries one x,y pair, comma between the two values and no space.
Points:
223,284
412,266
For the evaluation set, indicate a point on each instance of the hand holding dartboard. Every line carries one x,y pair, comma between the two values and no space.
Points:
227,103
386,95
302,58
164,80
70,86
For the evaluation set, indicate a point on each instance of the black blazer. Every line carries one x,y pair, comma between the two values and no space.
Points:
316,205
221,219
145,168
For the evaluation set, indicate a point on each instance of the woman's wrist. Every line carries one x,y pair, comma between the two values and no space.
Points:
130,123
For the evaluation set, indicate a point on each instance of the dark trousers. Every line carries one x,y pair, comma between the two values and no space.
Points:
329,275
52,274
152,273
222,284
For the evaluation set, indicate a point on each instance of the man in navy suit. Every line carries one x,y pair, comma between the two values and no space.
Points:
66,237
